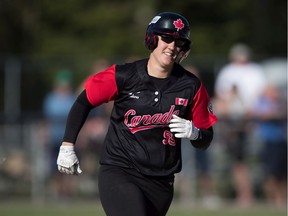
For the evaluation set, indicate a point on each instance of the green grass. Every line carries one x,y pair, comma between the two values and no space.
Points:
17,208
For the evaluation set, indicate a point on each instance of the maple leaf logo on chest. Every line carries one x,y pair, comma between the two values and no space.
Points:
178,24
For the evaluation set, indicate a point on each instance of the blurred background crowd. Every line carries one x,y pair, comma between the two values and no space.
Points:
239,51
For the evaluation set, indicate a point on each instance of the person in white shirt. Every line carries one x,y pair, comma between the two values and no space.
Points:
238,85
241,72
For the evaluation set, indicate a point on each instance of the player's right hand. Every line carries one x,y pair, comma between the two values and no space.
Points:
67,161
183,128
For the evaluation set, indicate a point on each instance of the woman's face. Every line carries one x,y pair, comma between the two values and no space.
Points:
167,50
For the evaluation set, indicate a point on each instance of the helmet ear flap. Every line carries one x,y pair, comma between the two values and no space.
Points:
186,48
183,53
151,41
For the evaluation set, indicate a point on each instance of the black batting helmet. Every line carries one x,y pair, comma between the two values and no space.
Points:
168,23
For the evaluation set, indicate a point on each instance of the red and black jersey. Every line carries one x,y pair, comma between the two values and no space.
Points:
138,136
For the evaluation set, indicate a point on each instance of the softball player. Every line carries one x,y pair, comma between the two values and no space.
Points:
156,103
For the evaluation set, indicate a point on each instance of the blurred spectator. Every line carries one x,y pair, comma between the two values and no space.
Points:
241,72
237,87
56,106
270,111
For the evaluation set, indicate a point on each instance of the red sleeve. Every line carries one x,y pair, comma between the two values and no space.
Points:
201,112
101,87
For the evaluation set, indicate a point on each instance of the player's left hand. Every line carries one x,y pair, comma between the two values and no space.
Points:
183,128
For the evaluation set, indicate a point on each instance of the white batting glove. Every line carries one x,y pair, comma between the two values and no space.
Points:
67,161
183,128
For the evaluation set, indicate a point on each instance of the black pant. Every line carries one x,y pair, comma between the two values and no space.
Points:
126,192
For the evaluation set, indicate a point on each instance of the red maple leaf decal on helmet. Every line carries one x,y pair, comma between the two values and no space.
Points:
178,24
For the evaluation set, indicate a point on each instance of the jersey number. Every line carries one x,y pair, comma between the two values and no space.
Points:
168,138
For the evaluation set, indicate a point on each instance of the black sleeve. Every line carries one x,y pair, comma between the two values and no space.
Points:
204,140
76,118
